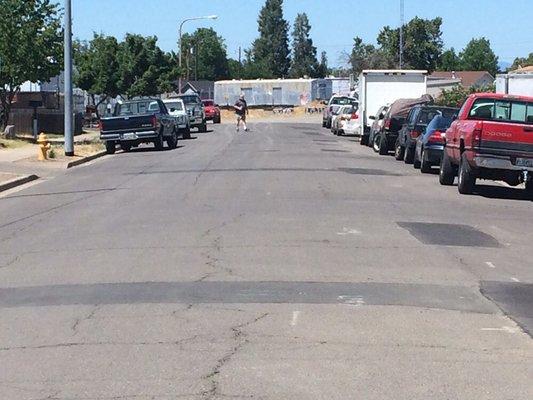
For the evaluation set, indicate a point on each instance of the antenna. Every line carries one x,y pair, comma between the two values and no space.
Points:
402,19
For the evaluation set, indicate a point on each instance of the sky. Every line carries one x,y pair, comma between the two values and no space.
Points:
334,23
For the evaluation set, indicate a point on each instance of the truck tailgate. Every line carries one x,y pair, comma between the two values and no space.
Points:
507,139
132,123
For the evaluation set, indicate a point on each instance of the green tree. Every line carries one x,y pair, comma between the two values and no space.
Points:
422,43
521,62
449,61
255,68
207,52
30,47
235,69
323,69
304,62
456,96
271,49
478,56
144,69
97,68
366,56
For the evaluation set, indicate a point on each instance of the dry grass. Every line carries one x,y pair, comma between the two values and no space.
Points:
12,144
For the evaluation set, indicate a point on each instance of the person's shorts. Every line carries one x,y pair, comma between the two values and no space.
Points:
241,117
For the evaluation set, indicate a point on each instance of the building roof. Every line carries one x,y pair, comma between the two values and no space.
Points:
198,86
468,78
522,70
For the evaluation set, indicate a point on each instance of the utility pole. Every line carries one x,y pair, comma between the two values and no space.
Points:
240,55
69,134
401,31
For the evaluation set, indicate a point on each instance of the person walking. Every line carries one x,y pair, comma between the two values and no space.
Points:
241,109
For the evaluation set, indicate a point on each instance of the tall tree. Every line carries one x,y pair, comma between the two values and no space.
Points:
366,56
304,62
478,56
143,66
208,54
272,47
449,61
422,43
30,47
97,68
323,69
521,62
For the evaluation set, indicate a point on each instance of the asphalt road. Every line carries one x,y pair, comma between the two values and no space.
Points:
283,263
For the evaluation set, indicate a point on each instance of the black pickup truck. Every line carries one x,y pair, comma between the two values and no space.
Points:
139,121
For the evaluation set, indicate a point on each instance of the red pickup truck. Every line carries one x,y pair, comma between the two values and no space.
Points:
492,138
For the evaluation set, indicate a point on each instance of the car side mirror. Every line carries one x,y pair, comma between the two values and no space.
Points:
454,117
381,116
372,117
172,109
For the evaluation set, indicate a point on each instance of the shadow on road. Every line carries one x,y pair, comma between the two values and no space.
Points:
149,150
500,192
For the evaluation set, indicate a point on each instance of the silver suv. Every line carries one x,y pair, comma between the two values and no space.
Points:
195,109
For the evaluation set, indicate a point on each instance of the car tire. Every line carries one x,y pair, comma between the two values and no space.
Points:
217,120
172,141
125,147
187,133
376,143
159,143
324,124
364,140
467,179
110,147
447,170
409,156
529,189
202,128
328,123
399,150
383,145
425,165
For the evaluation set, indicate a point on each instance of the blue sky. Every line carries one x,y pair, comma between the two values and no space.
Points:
334,22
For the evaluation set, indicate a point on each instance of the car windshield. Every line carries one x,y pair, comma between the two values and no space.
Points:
343,100
192,99
427,115
208,103
176,105
136,107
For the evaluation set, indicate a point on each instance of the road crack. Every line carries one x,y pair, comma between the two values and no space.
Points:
241,338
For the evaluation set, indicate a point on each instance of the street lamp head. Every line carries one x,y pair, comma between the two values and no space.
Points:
212,17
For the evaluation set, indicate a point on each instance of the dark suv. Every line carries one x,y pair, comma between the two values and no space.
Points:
415,125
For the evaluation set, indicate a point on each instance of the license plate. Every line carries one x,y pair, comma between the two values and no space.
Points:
524,162
129,136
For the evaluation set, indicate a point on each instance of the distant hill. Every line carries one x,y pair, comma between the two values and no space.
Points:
504,65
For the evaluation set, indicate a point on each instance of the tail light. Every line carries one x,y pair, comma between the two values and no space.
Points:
354,116
155,122
414,134
476,137
386,124
101,125
437,137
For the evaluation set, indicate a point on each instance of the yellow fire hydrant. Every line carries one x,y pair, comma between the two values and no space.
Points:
44,146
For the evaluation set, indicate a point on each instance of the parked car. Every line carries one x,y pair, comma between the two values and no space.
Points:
393,122
492,138
415,125
347,121
367,138
176,108
139,121
212,111
334,103
430,145
196,111
334,115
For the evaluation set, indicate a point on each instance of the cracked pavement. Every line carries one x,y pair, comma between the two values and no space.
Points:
227,270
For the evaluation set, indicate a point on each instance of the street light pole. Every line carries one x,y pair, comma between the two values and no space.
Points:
181,48
69,134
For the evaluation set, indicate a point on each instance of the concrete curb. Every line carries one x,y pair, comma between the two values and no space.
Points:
21,180
86,159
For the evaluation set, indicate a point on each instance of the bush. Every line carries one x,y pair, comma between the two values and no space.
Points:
456,96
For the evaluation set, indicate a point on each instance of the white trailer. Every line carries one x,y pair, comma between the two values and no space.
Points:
380,87
520,84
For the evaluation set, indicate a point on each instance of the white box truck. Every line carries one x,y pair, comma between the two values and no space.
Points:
381,87
520,84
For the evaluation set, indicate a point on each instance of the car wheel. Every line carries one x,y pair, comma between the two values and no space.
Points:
125,146
425,165
409,155
376,143
364,140
159,143
217,120
467,179
529,188
110,147
447,170
399,150
383,145
202,128
328,123
187,133
172,141
324,124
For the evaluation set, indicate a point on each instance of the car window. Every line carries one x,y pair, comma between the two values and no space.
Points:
412,116
502,110
137,107
482,108
529,113
518,112
208,103
176,105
